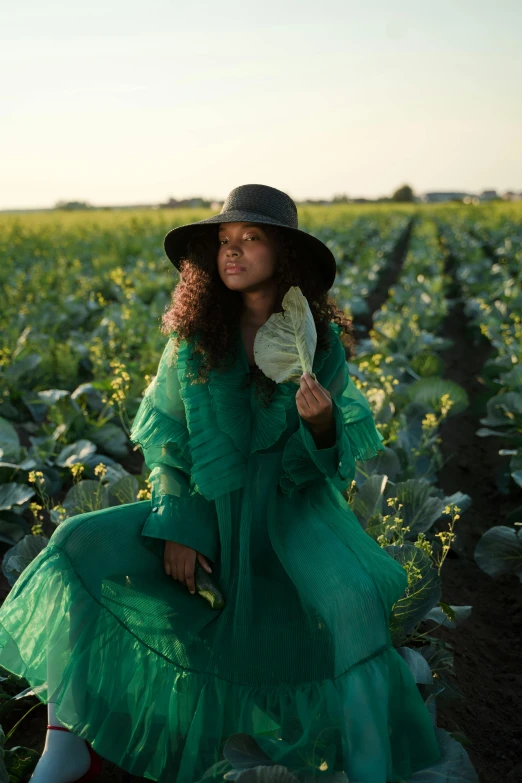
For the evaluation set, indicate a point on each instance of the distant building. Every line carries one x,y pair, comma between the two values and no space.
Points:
468,198
510,195
438,196
488,195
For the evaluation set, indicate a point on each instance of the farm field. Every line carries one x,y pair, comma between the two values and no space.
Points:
436,299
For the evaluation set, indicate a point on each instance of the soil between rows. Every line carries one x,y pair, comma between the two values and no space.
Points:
486,646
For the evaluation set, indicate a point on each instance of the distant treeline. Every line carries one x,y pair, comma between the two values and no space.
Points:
403,194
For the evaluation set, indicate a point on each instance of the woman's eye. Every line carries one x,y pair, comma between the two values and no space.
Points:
250,236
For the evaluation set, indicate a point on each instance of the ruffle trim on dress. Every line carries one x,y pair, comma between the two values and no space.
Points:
365,439
218,467
251,430
156,719
152,428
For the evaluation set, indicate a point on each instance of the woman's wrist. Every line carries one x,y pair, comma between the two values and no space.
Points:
324,436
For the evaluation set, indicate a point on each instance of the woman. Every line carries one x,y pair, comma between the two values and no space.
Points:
247,479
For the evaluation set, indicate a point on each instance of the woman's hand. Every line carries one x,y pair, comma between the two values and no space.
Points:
314,404
179,561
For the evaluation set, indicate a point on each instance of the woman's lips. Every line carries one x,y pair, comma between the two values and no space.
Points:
232,270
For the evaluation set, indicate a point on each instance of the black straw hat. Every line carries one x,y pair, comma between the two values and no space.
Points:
258,204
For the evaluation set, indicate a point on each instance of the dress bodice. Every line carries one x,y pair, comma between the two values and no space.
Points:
211,428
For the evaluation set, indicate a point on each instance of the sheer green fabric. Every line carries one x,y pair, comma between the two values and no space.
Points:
301,655
160,428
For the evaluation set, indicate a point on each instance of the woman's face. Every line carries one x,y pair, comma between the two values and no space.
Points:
248,252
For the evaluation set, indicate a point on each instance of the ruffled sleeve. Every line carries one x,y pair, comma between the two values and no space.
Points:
357,437
178,511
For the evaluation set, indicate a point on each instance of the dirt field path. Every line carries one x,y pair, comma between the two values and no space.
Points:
487,645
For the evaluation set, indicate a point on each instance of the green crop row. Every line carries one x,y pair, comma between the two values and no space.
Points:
488,266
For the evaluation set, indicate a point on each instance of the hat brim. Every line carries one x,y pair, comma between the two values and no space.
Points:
176,241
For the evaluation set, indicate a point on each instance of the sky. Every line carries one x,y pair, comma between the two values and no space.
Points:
119,102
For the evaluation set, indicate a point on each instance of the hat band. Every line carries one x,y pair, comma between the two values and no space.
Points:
243,216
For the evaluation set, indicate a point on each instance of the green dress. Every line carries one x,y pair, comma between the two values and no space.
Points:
300,657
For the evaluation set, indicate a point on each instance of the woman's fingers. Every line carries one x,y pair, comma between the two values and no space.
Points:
189,574
204,562
313,392
314,402
303,400
179,561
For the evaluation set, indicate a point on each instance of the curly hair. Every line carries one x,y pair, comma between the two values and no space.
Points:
204,310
